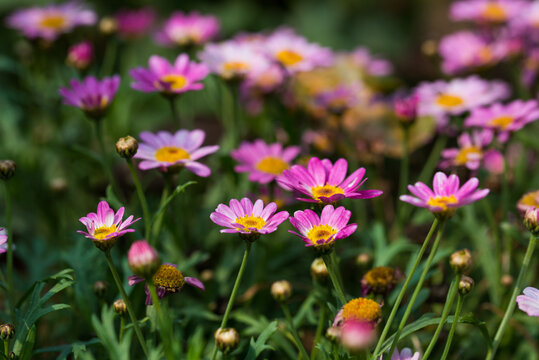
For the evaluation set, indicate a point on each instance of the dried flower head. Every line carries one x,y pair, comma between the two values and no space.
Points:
380,280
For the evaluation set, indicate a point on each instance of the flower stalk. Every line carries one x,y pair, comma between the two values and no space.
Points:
453,327
142,199
334,276
293,330
164,325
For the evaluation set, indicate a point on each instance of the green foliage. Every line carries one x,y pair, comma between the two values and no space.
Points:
106,332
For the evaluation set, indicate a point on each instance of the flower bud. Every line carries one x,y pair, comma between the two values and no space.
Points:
80,55
227,339
281,290
460,261
507,280
406,109
100,288
7,331
319,271
127,147
530,220
108,25
7,169
143,259
333,333
119,307
363,260
466,285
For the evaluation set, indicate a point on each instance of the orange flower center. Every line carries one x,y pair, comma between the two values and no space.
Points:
494,13
272,165
288,57
362,309
102,232
442,201
325,191
176,82
168,277
449,101
464,154
53,21
501,122
320,232
171,154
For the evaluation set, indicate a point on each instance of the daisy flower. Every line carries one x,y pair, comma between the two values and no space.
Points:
166,151
188,29
264,162
134,23
105,226
446,195
487,11
529,302
361,309
528,201
322,232
80,55
470,152
3,240
324,182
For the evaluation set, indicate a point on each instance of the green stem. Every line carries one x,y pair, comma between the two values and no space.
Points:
292,328
445,313
433,158
6,348
319,329
100,139
234,291
453,327
506,259
512,302
418,286
403,289
122,327
142,199
9,274
164,323
127,302
333,274
403,179
157,222
110,56
174,110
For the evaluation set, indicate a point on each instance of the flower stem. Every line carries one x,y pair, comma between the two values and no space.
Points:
319,329
164,325
445,313
432,160
453,327
403,179
234,291
142,199
6,348
174,110
158,221
403,289
512,301
100,139
418,286
333,274
127,302
292,328
9,274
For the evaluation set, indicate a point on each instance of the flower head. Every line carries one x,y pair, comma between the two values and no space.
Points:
248,219
531,220
356,336
167,280
80,55
105,226
165,150
529,302
3,240
188,29
134,23
324,182
528,201
91,95
446,195
169,79
406,108
360,309
322,232
380,280
487,11
471,151
264,162
143,259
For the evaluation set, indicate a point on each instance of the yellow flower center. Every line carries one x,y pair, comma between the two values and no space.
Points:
320,232
501,122
102,232
176,82
325,191
464,154
442,201
530,199
494,13
236,66
168,277
485,54
362,309
449,101
380,278
272,165
288,57
250,221
53,21
171,154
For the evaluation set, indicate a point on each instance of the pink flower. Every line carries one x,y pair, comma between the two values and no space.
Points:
406,108
134,23
169,79
470,152
357,335
487,11
264,162
370,64
322,232
529,302
80,55
165,150
447,195
143,259
188,29
105,226
405,354
324,182
3,240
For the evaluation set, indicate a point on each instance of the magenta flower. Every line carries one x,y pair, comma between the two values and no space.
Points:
52,20
405,354
370,64
263,162
134,23
322,232
143,259
188,29
167,280
168,79
487,11
324,182
357,336
80,55
406,108
471,152
166,151
3,240
105,226
529,302
447,195
91,95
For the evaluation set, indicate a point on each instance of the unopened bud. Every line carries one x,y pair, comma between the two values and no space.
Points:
7,331
58,185
100,288
143,259
530,220
80,55
206,275
466,285
7,169
319,271
461,261
227,339
281,290
108,25
406,109
363,260
127,147
507,280
119,307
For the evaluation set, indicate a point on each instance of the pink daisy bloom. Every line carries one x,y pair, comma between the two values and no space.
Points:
80,55
3,240
470,152
504,119
446,195
188,29
105,226
370,64
406,108
529,200
52,20
169,79
264,162
167,280
529,302
487,11
324,182
165,150
322,232
134,23
248,220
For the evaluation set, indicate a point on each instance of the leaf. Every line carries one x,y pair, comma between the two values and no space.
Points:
112,199
29,344
179,189
106,332
256,348
471,319
78,349
195,345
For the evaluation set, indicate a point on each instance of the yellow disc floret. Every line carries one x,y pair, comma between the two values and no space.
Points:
501,122
249,222
175,81
464,154
288,57
171,154
320,232
53,22
380,280
449,101
169,278
102,232
442,201
325,191
362,309
494,13
272,165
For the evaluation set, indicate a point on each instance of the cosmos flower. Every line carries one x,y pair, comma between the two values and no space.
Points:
324,182
322,232
167,280
529,302
169,151
132,24
169,79
80,55
471,151
3,240
105,226
264,162
528,201
446,195
52,20
91,95
188,29
487,11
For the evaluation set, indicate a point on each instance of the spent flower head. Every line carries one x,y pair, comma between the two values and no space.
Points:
7,169
127,146
227,339
380,280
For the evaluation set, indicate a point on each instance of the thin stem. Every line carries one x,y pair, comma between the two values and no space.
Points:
453,327
333,270
292,329
403,179
142,199
234,291
433,158
127,302
164,325
418,287
319,329
404,287
174,110
512,302
9,274
109,57
445,313
157,222
6,348
122,327
100,139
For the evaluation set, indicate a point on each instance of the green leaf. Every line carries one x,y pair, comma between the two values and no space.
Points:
78,349
481,325
195,345
106,332
26,352
179,189
256,348
112,199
